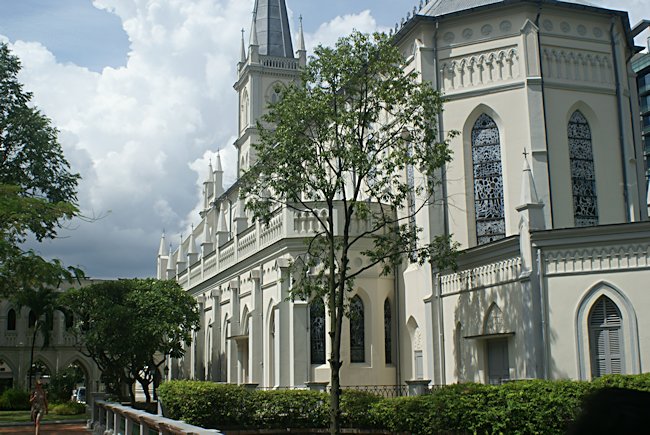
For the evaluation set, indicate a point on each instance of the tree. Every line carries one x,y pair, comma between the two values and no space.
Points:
343,140
42,302
128,327
37,188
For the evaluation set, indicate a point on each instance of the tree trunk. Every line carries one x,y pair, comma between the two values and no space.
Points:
31,355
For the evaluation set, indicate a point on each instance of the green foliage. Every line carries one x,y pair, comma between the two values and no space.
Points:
518,407
68,408
355,408
37,189
13,399
290,408
637,382
207,404
339,143
62,384
124,324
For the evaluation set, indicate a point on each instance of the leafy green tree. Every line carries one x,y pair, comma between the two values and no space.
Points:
128,327
37,188
344,140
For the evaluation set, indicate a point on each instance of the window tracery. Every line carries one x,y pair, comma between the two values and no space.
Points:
488,181
317,331
388,333
357,331
583,174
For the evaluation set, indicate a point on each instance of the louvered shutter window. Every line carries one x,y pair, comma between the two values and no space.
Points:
605,335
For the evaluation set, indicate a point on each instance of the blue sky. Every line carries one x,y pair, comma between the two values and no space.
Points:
141,91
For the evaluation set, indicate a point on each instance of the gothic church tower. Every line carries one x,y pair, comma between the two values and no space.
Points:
269,61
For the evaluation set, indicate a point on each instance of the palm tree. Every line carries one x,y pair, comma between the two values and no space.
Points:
41,302
39,294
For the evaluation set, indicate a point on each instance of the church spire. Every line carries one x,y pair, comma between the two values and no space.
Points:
271,24
243,48
302,51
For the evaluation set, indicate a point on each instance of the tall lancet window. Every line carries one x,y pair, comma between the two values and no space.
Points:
388,333
605,338
317,331
488,181
583,175
357,331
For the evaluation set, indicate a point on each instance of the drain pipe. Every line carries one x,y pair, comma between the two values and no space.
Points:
621,137
396,346
435,277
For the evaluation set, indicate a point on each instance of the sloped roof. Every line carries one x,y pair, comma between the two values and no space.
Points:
272,23
437,8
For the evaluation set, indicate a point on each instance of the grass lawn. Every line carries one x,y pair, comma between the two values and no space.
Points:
23,416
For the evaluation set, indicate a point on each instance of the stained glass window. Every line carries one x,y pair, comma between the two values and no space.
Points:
410,179
388,333
488,181
317,332
583,175
357,331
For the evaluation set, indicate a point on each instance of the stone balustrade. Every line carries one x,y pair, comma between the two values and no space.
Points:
113,418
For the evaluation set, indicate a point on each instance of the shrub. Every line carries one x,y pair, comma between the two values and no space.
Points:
207,404
518,407
68,408
290,408
355,409
14,399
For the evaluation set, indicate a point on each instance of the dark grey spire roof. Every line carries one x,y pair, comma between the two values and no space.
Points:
273,34
437,8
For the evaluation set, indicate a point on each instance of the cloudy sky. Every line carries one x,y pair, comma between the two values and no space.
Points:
141,91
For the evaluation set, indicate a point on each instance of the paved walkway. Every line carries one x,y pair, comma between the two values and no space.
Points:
47,429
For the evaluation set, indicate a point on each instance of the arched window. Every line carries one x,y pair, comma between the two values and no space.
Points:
357,331
11,320
317,331
583,174
488,181
31,319
69,320
605,338
388,333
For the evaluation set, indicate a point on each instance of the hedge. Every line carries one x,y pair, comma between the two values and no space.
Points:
14,399
518,407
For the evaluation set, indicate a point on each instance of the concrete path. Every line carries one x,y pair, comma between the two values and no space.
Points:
47,429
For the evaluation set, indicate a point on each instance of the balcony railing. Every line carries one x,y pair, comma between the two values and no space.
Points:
285,223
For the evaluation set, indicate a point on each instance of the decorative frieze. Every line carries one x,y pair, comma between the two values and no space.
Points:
480,277
597,258
577,66
480,69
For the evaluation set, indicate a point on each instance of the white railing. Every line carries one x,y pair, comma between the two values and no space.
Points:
484,276
279,62
285,223
116,419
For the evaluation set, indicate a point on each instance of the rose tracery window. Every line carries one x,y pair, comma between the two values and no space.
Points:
488,181
317,331
583,174
357,331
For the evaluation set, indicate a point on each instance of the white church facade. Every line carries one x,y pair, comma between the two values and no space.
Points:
545,194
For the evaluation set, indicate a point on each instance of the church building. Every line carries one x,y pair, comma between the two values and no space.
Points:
545,194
